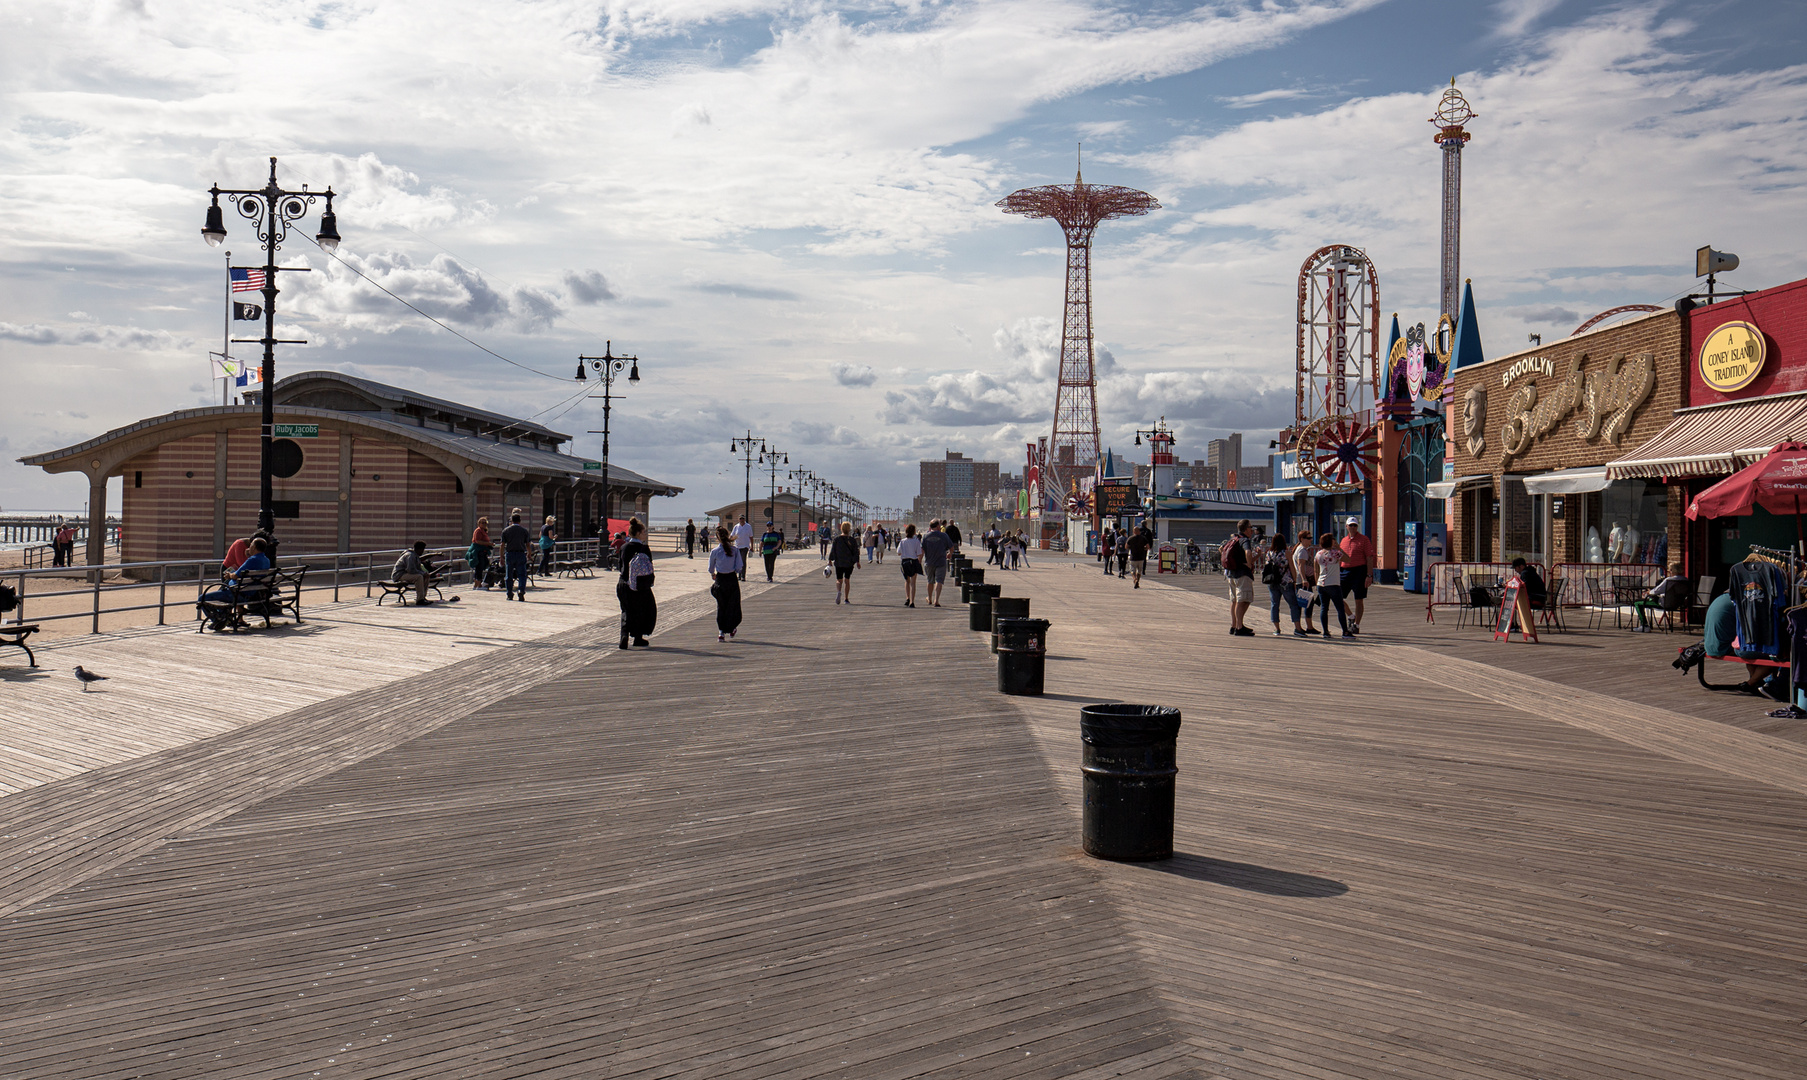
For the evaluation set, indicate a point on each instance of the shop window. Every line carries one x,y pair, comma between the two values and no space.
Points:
1634,523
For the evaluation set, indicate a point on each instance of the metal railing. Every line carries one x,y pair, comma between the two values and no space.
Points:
180,583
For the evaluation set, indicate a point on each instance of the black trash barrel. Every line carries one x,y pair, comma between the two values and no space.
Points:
978,616
1006,607
970,576
1128,765
1022,653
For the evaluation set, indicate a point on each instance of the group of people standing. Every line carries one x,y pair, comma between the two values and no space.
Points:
1009,550
1303,576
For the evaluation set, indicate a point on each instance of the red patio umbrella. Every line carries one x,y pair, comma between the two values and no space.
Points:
1776,484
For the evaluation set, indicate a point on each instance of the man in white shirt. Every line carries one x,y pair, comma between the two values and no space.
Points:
743,539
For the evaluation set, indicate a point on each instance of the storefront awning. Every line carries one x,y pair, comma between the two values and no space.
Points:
1715,440
1281,493
1568,481
1444,489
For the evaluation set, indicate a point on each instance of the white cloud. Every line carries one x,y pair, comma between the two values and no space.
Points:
108,337
853,374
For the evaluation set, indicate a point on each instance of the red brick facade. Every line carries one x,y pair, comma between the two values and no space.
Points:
1581,402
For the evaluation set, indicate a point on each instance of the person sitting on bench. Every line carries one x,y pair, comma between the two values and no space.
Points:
1720,633
411,569
1654,598
259,559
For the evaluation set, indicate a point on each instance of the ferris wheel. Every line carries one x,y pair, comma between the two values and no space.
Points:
1339,368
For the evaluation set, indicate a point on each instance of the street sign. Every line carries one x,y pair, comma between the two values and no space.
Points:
297,431
592,466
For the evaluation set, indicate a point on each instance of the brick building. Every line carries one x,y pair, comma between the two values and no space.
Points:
1744,381
1531,436
377,467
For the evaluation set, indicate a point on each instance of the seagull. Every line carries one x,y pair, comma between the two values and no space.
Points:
87,677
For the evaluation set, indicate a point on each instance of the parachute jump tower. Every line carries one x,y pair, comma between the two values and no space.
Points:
1079,209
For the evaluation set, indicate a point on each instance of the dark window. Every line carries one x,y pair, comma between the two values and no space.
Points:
137,479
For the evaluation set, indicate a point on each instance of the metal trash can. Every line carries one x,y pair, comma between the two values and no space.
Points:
1006,607
1022,655
978,616
970,576
1128,762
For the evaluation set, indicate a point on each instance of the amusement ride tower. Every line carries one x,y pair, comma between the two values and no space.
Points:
1452,113
1079,209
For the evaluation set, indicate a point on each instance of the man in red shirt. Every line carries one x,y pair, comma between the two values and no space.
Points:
1357,568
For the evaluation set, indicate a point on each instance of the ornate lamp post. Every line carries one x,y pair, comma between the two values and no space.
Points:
752,448
800,477
271,211
772,458
607,366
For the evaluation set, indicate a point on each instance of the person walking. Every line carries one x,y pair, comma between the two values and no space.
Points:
953,537
634,591
870,535
1237,568
1138,545
771,542
935,548
909,552
724,567
823,535
548,543
884,539
690,538
1104,550
1358,568
481,546
844,555
1277,575
514,557
1122,549
1331,561
63,544
1305,576
743,539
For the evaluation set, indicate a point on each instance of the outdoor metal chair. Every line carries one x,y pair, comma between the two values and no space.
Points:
1626,590
1679,600
1478,585
1596,600
1550,611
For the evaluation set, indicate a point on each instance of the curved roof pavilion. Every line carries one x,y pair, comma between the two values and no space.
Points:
381,466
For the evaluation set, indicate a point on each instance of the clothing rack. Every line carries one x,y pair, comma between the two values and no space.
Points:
1794,564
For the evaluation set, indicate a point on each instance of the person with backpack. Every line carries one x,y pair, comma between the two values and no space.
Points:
724,567
634,592
1241,574
1277,575
844,556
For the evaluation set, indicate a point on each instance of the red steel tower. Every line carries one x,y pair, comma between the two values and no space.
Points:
1079,209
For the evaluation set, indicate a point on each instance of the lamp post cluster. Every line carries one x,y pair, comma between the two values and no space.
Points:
271,210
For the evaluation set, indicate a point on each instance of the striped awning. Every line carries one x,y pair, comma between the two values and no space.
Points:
1716,440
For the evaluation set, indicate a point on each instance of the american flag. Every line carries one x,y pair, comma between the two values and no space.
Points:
244,280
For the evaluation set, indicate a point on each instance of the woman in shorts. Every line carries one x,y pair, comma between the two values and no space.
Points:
844,553
909,552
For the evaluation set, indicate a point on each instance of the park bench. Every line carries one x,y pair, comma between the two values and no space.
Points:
401,589
14,634
265,594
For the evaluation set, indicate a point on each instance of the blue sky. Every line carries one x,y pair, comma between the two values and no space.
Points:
786,208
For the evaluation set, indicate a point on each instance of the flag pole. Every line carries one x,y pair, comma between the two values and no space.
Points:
226,345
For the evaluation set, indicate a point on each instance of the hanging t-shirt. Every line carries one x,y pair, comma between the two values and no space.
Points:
1760,590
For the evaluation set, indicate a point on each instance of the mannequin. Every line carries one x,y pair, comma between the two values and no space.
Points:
1615,542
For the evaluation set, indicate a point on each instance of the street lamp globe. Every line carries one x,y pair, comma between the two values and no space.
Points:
214,232
328,236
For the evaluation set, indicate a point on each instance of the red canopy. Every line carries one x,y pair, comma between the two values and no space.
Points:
1776,484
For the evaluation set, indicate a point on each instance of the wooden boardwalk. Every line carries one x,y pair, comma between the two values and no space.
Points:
832,849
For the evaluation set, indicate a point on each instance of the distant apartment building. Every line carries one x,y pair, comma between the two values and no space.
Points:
1224,455
958,488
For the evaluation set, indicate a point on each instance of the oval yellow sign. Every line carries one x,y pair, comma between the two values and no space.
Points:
1732,357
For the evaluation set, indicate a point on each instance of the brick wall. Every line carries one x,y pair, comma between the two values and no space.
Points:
1781,313
1564,444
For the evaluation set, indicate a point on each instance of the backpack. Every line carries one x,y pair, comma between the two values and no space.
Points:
640,566
1223,555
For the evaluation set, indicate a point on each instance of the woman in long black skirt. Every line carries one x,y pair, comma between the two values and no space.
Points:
639,612
725,565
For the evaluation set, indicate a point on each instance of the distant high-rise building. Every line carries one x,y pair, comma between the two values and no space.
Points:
955,487
1224,455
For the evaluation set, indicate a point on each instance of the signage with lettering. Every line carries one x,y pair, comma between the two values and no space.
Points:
1732,357
1607,393
1115,500
592,466
297,431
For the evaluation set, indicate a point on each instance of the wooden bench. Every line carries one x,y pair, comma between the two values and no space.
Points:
265,594
15,635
